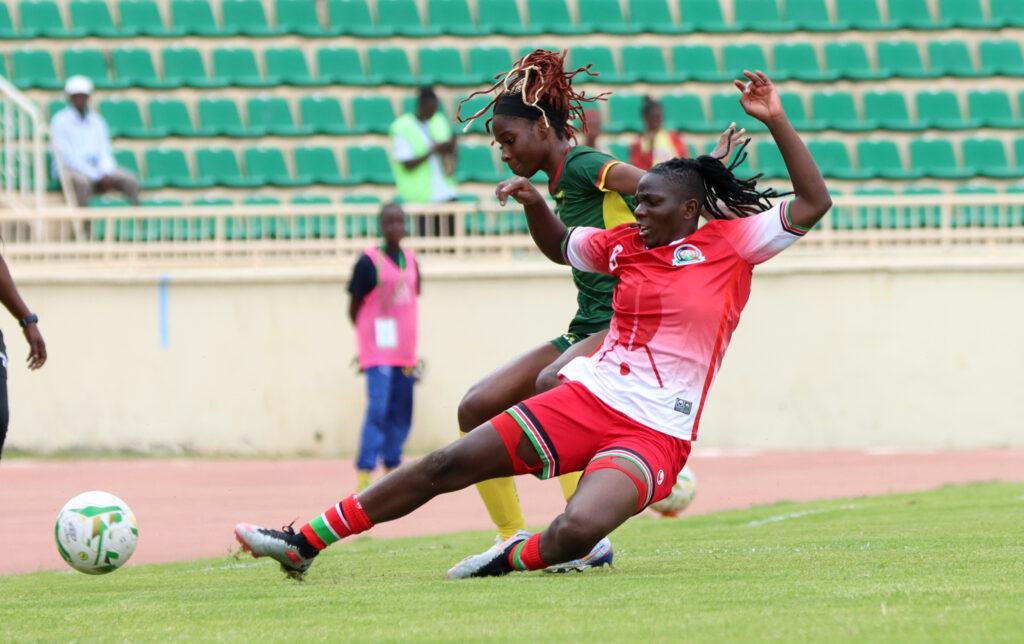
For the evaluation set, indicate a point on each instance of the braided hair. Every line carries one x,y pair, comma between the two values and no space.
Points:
713,182
538,87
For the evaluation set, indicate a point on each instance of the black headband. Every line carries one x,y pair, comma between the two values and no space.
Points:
513,105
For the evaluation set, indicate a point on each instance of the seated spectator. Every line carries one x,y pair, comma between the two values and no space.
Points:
656,144
82,144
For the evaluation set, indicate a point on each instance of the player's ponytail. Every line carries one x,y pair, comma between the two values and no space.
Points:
715,184
538,87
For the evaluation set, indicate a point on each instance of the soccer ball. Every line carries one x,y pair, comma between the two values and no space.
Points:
96,532
681,495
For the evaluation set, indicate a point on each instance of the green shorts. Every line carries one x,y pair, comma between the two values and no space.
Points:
566,340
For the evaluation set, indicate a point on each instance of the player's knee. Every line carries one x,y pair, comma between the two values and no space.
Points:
471,409
548,379
578,532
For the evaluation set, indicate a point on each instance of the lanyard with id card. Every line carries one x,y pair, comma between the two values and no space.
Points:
385,329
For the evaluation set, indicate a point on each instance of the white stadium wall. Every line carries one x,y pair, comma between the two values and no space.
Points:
908,359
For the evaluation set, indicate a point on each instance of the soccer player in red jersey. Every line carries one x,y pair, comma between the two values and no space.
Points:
625,415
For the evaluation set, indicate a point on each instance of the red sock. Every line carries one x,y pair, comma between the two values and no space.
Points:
339,521
526,555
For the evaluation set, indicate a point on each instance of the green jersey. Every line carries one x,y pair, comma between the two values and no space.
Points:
582,200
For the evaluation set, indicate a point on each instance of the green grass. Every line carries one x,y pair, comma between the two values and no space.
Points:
946,565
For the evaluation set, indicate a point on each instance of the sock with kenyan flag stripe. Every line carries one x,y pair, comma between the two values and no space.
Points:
336,523
525,555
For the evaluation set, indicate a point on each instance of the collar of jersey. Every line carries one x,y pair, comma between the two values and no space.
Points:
554,182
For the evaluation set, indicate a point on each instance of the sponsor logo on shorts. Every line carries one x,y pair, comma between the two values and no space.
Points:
687,254
661,476
683,406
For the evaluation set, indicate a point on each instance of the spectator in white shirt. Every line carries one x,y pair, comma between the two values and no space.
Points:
83,142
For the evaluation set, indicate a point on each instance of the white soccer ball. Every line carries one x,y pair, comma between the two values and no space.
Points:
681,495
96,532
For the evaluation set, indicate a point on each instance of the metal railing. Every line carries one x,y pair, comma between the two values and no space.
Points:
22,146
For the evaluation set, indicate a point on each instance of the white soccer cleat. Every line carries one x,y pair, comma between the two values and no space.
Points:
279,545
493,562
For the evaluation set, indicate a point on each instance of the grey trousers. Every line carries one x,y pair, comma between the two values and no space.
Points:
123,181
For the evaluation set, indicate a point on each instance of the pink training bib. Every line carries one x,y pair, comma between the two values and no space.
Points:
387,320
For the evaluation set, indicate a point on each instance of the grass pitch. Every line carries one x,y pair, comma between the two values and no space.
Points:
941,566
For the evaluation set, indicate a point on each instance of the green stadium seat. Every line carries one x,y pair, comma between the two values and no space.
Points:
143,17
703,15
369,164
361,225
391,64
736,58
246,18
858,14
320,164
220,166
7,30
812,15
769,160
487,62
134,67
987,157
91,64
55,105
976,216
443,66
603,63
503,17
552,16
697,63
184,66
404,18
238,67
836,111
761,15
195,17
476,163
288,66
1015,213
1008,12
299,17
850,61
951,58
726,108
453,17
685,112
646,63
471,107
126,159
881,158
1003,57
936,158
323,114
342,65
793,104
967,14
624,114
352,18
923,216
605,16
902,58
874,216
992,109
268,165
372,114
168,167
124,119
42,19
914,14
220,117
171,116
799,60
33,68
315,226
654,17
272,115
889,110
93,18
834,160
619,150
941,109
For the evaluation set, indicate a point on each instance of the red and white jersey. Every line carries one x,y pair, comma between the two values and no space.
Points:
675,309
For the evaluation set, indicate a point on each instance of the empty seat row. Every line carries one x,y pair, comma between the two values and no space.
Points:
386,18
185,66
877,158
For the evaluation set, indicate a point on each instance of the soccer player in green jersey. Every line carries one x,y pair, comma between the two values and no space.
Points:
534,107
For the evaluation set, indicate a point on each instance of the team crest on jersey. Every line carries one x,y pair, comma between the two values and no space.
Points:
687,254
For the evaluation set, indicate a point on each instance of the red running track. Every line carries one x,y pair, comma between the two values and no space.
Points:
186,509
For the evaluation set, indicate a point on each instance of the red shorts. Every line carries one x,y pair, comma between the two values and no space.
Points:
573,430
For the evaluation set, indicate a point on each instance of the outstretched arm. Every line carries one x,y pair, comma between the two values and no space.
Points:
547,230
761,100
